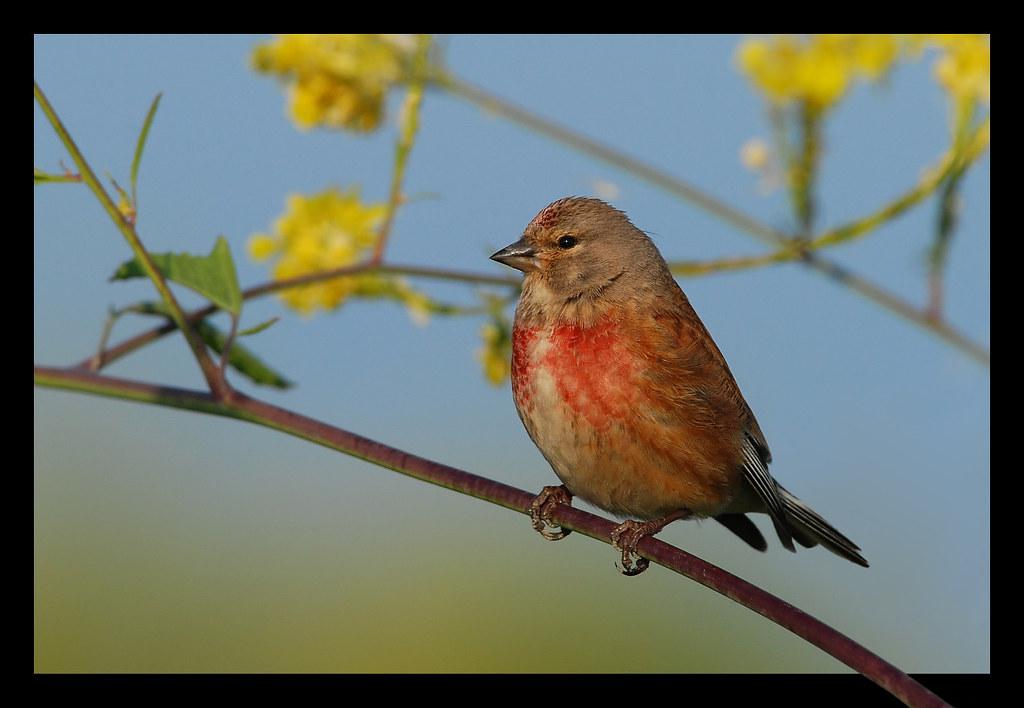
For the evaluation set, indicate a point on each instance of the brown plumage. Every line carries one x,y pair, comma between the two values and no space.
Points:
627,396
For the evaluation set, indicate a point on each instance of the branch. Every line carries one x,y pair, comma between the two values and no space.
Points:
723,265
953,163
410,124
249,409
800,252
214,377
902,307
659,178
104,357
680,188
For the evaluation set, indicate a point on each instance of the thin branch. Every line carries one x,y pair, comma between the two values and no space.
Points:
800,253
684,268
660,178
691,269
382,268
249,409
896,304
108,326
403,146
225,353
965,150
102,358
218,385
953,162
42,177
680,188
804,169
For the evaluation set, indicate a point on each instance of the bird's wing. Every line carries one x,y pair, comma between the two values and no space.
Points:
756,474
696,354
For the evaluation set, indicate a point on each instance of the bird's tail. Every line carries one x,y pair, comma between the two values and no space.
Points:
809,529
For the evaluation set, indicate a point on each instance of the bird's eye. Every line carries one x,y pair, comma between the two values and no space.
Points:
567,242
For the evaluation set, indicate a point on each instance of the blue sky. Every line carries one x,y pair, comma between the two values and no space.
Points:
156,530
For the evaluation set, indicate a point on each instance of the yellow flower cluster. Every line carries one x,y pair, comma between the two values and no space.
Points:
963,69
325,231
337,80
496,354
815,70
321,232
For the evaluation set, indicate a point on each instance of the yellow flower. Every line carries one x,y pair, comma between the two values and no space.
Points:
771,66
815,70
755,155
418,304
873,54
336,80
823,71
320,232
262,247
495,355
964,67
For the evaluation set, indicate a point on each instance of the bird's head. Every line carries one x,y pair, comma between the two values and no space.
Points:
579,247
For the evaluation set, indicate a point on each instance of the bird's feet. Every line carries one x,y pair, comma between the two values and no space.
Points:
629,533
541,508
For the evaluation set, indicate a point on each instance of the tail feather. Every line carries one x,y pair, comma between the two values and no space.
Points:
810,529
743,527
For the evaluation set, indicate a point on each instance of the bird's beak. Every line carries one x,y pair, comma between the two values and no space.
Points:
519,255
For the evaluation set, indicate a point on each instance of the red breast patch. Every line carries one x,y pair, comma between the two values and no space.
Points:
591,368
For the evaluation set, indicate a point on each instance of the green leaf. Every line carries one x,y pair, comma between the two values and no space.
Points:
211,276
41,177
241,358
258,328
140,146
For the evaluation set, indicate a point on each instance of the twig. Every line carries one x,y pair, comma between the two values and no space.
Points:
687,191
225,353
403,146
108,325
674,185
804,169
211,373
102,358
900,306
800,253
722,265
952,163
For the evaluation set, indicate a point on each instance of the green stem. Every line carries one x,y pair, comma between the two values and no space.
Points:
692,269
211,373
225,353
403,146
951,162
804,169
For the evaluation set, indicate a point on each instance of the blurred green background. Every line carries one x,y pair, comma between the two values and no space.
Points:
167,541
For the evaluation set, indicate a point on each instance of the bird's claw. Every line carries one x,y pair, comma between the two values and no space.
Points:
625,538
541,508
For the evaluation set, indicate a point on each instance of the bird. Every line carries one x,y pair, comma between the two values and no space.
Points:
628,398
